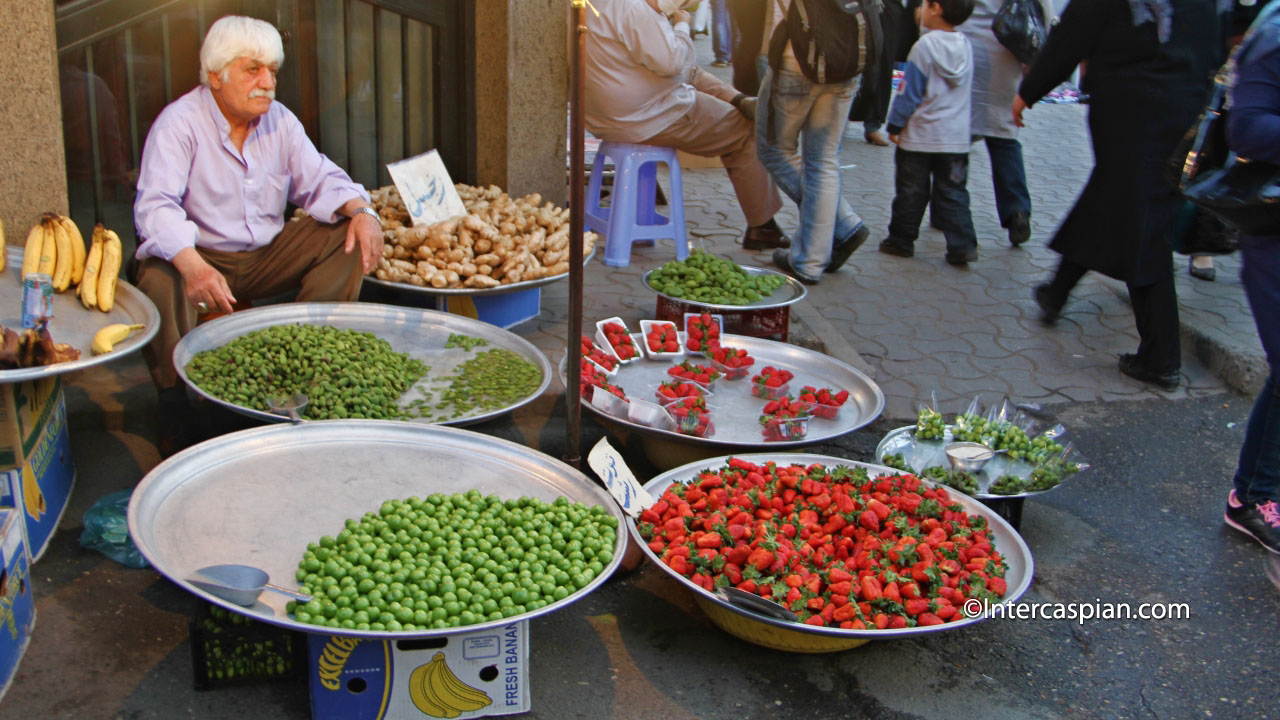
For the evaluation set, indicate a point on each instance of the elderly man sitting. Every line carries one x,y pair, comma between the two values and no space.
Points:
219,165
642,87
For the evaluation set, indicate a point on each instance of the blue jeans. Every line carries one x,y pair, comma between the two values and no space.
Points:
1258,475
941,178
1009,177
803,156
721,31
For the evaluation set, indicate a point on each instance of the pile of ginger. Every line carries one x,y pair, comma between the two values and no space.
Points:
500,241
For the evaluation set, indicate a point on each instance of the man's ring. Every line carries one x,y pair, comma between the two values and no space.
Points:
202,307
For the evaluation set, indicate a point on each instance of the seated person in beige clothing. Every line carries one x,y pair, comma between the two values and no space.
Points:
643,87
219,165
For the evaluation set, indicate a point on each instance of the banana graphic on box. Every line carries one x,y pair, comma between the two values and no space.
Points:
32,496
436,691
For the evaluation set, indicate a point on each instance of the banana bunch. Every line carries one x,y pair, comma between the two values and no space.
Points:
101,270
436,691
56,248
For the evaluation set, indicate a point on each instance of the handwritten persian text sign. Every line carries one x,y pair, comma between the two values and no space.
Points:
618,478
425,187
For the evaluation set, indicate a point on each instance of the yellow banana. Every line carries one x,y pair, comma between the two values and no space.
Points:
423,693
89,283
105,339
109,270
31,256
48,249
455,692
62,257
4,250
77,248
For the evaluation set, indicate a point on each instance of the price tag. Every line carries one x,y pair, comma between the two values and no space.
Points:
427,190
618,478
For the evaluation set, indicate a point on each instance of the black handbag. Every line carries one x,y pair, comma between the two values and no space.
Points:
1244,193
1020,27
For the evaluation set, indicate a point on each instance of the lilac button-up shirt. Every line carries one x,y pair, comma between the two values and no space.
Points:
195,188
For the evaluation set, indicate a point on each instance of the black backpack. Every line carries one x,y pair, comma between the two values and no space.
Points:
833,40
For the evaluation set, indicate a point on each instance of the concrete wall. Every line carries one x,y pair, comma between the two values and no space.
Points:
33,176
522,95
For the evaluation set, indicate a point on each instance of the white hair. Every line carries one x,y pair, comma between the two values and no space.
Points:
236,36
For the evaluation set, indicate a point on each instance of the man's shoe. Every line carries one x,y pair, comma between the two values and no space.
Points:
889,247
1260,521
720,63
1049,310
841,251
782,260
1130,365
876,138
762,237
962,257
1201,273
1019,229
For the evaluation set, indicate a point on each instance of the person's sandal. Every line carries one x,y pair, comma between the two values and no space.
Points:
1201,273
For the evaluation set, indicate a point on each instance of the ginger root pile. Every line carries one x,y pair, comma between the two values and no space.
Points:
502,240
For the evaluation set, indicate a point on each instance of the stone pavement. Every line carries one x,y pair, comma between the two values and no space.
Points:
925,327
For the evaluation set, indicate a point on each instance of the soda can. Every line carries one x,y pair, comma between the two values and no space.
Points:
37,298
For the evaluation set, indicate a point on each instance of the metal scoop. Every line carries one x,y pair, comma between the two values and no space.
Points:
240,584
757,604
290,407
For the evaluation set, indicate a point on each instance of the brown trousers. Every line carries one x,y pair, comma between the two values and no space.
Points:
307,255
713,127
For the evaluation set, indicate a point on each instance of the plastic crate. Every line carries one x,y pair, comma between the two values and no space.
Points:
229,649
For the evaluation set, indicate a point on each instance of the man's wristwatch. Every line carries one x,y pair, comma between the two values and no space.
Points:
368,211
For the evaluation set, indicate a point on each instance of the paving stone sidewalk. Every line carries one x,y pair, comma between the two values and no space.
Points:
924,327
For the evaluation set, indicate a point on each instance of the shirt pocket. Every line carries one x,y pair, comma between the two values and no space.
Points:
274,195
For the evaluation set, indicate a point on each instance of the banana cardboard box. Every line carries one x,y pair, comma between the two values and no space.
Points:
468,675
17,608
36,471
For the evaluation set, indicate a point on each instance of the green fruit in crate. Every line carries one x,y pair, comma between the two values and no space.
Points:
705,278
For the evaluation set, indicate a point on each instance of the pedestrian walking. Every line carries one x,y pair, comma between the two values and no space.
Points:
871,104
1150,63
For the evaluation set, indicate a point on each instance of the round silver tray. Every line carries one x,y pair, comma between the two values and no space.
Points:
419,333
789,294
474,292
921,454
258,496
735,412
1021,567
75,324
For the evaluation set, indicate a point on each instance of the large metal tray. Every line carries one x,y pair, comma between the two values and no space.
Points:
75,324
1007,541
789,294
474,292
921,454
258,496
735,411
419,333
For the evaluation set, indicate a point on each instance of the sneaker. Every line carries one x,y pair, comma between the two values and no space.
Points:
720,63
1130,365
765,238
782,260
1019,229
1260,521
1049,310
962,257
890,247
841,251
875,137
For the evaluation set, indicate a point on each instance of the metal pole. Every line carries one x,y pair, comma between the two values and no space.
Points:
573,389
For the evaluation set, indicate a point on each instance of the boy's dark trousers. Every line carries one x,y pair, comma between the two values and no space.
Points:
949,173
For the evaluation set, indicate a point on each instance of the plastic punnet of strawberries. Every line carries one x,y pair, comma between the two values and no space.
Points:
619,340
703,333
690,419
785,419
826,404
593,378
734,363
693,372
831,544
662,338
592,352
771,382
673,390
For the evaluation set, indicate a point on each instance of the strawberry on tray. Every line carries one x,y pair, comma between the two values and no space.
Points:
826,404
662,338
593,352
593,377
771,382
703,331
733,363
619,340
692,371
673,390
785,419
691,420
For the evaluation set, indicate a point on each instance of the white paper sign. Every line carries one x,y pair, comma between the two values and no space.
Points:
618,478
427,190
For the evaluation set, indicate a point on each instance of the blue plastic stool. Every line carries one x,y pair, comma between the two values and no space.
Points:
632,215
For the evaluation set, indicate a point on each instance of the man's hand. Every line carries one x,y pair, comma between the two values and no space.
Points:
364,230
207,289
1019,105
893,138
680,16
